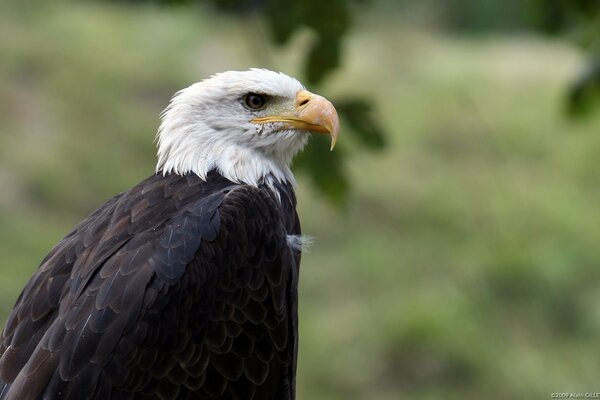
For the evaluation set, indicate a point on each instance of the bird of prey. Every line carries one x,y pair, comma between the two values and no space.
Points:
184,286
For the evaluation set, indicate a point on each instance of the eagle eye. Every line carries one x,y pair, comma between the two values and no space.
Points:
255,101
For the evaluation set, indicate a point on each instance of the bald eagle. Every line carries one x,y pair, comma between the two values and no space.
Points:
185,286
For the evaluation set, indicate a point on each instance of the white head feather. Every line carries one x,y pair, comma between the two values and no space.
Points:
206,126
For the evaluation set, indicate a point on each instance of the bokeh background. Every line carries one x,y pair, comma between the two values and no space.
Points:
457,226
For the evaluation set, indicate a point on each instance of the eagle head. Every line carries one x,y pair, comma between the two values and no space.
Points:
248,125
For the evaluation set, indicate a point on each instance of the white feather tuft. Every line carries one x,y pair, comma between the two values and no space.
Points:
300,243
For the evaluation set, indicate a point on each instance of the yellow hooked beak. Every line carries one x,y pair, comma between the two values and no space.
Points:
311,113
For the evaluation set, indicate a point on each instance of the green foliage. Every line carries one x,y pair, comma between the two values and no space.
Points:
584,93
575,20
324,169
578,20
360,116
330,20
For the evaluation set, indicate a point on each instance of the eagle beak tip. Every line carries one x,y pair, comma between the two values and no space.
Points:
334,132
321,114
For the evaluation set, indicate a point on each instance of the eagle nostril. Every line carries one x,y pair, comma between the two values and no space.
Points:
303,97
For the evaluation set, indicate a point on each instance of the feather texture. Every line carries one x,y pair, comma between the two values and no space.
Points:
181,288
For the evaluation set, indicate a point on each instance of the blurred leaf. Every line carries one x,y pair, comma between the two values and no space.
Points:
358,114
325,169
330,21
579,21
584,93
283,19
558,16
323,58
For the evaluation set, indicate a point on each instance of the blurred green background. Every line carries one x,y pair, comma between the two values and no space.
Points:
465,261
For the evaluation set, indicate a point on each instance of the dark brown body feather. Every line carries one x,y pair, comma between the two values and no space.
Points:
176,289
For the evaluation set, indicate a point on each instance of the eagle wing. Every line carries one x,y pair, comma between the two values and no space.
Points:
176,289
